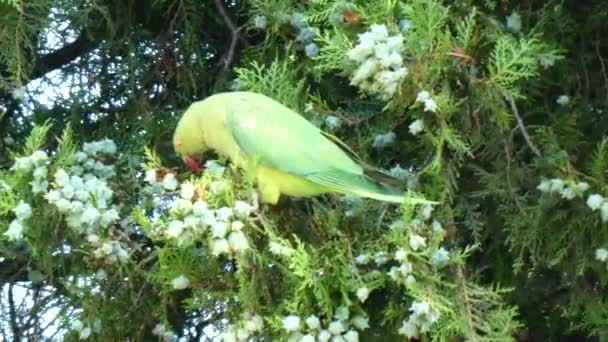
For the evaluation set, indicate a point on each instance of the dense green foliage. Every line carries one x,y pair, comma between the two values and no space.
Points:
495,109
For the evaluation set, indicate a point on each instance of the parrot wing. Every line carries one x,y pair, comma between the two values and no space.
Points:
285,141
282,139
368,170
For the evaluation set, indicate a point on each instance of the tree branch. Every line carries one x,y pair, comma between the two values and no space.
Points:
233,30
12,272
60,57
13,315
520,124
603,68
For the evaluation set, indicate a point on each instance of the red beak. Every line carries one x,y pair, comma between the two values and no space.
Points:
191,164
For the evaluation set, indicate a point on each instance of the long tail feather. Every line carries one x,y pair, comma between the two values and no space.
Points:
364,186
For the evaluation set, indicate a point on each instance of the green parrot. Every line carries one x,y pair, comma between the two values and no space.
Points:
292,156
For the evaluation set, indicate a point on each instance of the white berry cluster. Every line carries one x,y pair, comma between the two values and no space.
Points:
381,68
416,127
23,211
225,224
400,173
383,140
169,182
91,156
18,93
241,331
260,22
601,254
180,282
417,224
305,34
563,100
422,317
216,169
332,122
342,327
597,201
404,175
81,191
235,84
107,250
192,216
85,201
355,203
402,273
547,60
379,258
405,25
424,215
362,293
36,163
567,190
227,234
514,22
84,331
440,257
166,181
430,105
161,331
279,249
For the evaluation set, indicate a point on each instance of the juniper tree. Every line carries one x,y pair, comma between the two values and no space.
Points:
494,109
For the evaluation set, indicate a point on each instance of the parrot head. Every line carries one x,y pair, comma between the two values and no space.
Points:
188,139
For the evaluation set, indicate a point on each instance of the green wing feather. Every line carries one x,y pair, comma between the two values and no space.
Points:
341,181
281,138
368,170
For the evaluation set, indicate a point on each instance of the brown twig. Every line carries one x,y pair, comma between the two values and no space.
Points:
508,169
234,31
520,124
603,67
468,306
381,217
586,81
460,55
13,314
